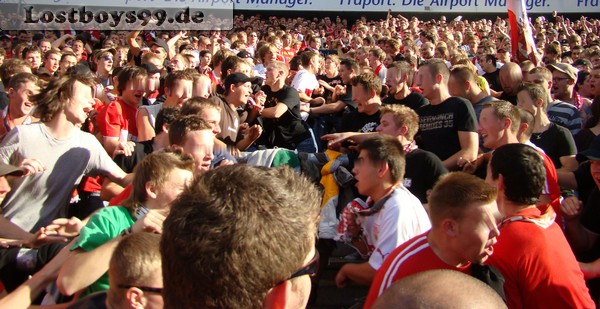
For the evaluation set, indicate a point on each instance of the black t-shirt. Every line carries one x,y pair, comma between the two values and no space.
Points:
556,142
439,126
3,99
289,129
336,80
140,151
584,139
347,98
359,122
494,80
423,169
590,214
414,100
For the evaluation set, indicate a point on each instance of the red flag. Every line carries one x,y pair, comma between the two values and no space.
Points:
521,36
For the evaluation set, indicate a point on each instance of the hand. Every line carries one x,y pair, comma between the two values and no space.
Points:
571,208
339,90
335,140
254,132
124,148
65,227
41,238
260,98
341,279
152,222
590,270
324,84
319,91
32,166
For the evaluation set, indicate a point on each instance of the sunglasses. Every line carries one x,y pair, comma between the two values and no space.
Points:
143,288
107,58
310,269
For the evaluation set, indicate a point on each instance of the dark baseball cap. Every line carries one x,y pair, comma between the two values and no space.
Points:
244,54
7,169
161,43
592,153
236,78
150,68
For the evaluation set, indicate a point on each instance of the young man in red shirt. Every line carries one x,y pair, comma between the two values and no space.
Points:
462,211
532,253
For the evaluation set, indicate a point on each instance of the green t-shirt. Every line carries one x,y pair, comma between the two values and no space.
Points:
104,225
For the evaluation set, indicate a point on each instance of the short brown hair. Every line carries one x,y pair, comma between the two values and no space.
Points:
197,105
403,116
21,78
368,81
184,125
437,66
455,193
386,149
503,110
11,67
239,231
535,92
174,76
129,73
155,168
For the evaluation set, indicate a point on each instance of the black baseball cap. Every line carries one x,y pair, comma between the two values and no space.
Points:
237,78
150,68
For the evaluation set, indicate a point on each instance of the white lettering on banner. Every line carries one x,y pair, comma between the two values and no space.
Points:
405,6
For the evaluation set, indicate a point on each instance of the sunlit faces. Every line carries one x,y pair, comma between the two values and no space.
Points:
345,74
79,105
199,144
366,174
20,98
272,75
561,83
104,63
161,52
51,63
213,117
426,81
240,93
456,87
205,60
152,82
388,126
594,82
34,58
66,62
525,102
45,46
476,232
181,90
392,80
78,47
173,185
361,96
490,128
178,63
134,91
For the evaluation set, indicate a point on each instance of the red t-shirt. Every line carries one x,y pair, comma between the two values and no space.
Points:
117,119
551,188
119,198
537,263
414,256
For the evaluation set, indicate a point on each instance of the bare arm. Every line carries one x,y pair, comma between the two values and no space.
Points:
61,41
109,190
145,129
330,108
12,231
134,47
469,145
362,274
82,268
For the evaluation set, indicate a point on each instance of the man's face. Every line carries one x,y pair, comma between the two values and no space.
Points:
199,144
45,46
205,61
372,58
105,63
78,47
79,106
345,74
595,61
161,52
34,59
525,102
240,93
426,82
181,90
213,117
66,62
594,82
576,54
20,97
152,82
427,51
51,62
490,128
561,84
365,173
361,97
392,81
177,63
173,185
134,91
388,126
456,87
477,232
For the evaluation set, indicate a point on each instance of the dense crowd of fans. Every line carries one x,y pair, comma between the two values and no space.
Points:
434,149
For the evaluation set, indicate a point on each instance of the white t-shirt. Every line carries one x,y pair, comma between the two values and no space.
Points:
401,218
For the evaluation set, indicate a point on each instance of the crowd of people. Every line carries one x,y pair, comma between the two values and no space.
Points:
424,145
